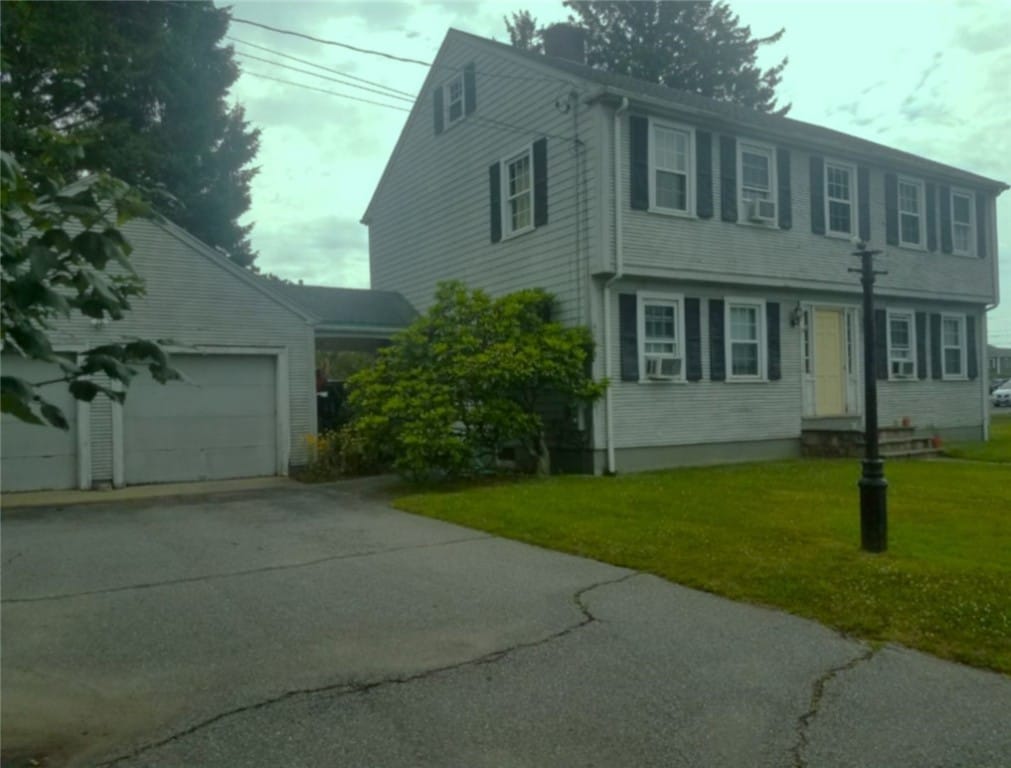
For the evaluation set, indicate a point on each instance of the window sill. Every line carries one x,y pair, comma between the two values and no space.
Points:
751,380
954,378
958,255
662,382
847,236
912,247
771,226
672,212
517,233
902,379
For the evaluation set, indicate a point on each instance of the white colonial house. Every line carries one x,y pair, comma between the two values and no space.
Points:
707,246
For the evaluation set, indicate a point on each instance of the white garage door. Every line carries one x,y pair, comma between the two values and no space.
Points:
38,457
219,424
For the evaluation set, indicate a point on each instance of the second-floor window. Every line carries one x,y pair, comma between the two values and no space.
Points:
962,218
757,186
670,167
518,193
911,213
840,212
901,345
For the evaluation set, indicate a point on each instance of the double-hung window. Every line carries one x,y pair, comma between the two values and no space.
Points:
757,174
670,167
901,345
840,211
517,193
661,335
963,215
953,346
745,335
454,99
911,208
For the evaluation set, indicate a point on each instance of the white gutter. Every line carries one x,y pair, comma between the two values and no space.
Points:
618,267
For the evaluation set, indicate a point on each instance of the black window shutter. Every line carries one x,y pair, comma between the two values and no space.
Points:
981,208
693,340
891,209
772,330
864,203
728,178
970,341
628,336
931,217
783,178
469,89
817,195
881,343
921,345
935,346
540,182
704,174
495,187
946,245
717,353
638,139
437,108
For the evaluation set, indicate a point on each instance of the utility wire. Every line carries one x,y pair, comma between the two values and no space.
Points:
391,56
318,66
324,77
324,90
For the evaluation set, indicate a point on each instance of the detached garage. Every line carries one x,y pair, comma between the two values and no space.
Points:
244,409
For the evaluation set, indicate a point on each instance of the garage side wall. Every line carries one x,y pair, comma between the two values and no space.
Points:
198,303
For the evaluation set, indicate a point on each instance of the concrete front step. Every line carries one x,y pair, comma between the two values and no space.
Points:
916,453
893,442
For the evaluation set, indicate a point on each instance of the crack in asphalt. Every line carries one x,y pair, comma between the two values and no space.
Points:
817,693
348,689
247,572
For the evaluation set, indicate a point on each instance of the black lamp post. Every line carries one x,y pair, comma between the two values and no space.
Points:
873,486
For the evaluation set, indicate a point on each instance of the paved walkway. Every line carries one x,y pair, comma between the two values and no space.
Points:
315,626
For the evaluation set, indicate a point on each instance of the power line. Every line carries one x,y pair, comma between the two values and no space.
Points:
324,77
391,56
318,66
331,42
324,90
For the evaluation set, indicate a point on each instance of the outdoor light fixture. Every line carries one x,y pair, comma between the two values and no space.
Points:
796,315
872,483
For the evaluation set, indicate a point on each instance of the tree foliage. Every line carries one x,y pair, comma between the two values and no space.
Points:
695,46
467,379
142,86
62,255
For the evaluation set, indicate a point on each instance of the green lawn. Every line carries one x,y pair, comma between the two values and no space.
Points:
786,534
998,448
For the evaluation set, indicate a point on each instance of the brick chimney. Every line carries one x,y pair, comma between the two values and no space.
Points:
565,41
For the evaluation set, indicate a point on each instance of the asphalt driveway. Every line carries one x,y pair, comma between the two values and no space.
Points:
318,627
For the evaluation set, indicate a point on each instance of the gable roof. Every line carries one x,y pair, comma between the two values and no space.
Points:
348,307
722,113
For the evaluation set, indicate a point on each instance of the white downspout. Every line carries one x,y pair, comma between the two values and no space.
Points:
618,266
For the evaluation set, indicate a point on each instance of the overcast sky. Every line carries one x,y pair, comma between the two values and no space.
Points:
932,78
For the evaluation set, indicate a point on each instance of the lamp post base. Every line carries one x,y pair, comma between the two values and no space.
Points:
873,506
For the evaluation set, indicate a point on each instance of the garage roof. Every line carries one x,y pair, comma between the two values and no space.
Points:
349,307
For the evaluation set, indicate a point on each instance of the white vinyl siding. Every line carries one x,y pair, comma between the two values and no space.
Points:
661,337
911,213
953,346
518,193
963,218
745,339
901,345
840,199
670,168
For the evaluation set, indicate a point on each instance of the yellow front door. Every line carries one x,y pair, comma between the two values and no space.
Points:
829,374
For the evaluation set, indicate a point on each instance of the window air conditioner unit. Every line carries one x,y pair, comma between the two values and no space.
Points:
903,369
662,368
762,210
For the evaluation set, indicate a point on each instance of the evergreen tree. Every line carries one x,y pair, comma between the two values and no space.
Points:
141,86
695,46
